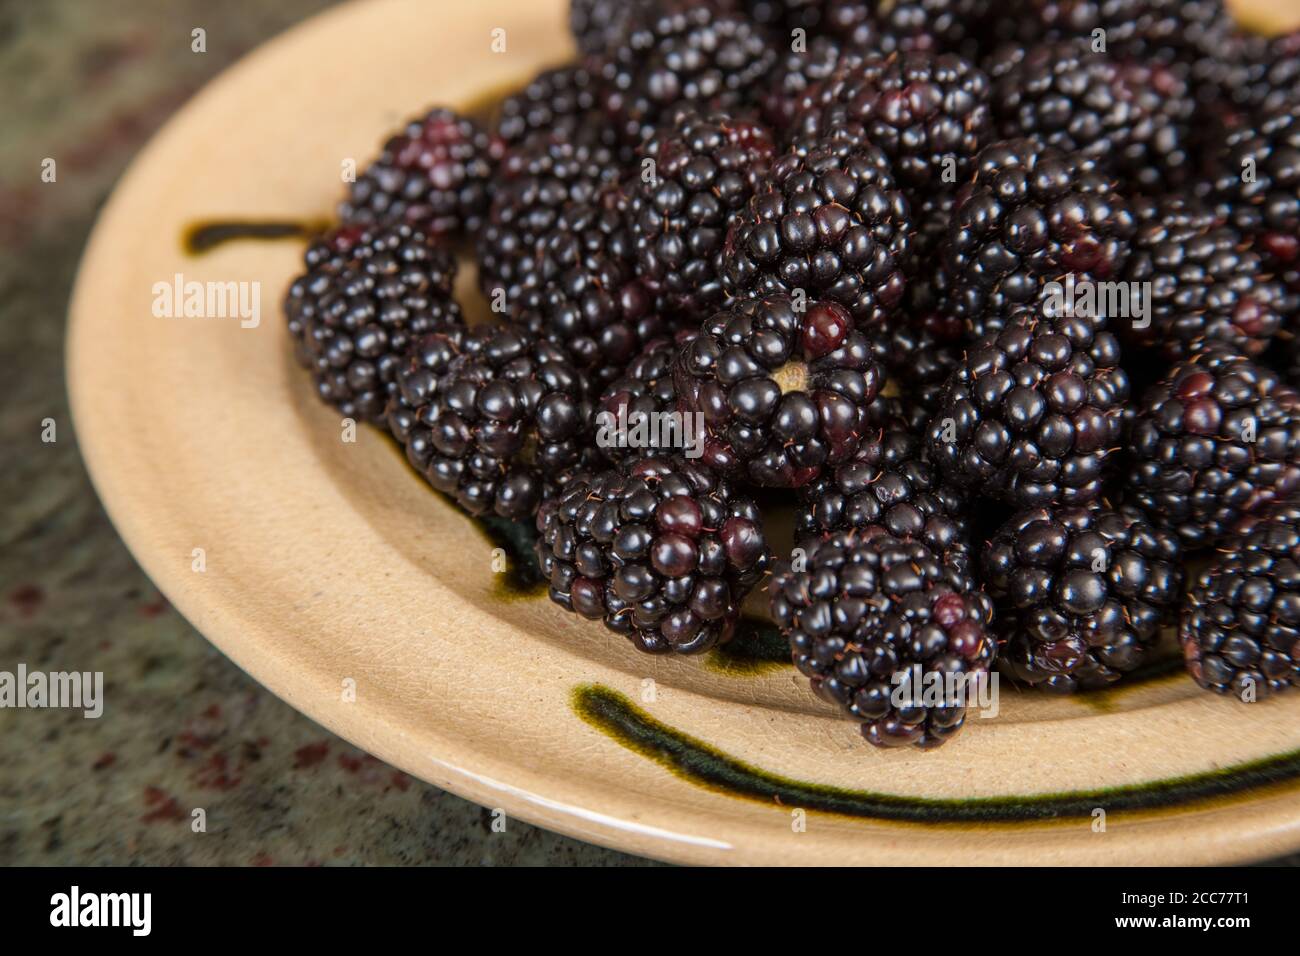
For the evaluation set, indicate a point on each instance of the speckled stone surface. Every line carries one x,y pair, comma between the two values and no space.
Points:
183,728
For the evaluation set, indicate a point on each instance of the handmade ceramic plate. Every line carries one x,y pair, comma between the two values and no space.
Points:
330,572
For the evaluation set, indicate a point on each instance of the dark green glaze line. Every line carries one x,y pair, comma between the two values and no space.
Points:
203,237
615,715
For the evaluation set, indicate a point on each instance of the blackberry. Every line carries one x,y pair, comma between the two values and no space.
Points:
783,392
1080,594
698,172
1262,74
1218,438
433,175
1132,117
682,55
872,616
1031,214
903,26
365,296
1240,628
599,26
1205,282
797,75
492,417
561,101
645,389
660,548
1033,414
833,223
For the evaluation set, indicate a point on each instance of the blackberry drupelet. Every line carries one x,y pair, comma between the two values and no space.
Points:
645,389
833,223
682,55
492,418
433,175
1030,215
1034,413
365,296
1218,438
784,393
1080,594
660,548
698,171
563,101
1240,627
868,615
1205,282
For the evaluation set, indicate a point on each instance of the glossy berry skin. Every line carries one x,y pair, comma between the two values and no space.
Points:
1240,627
433,175
1267,208
365,296
783,393
561,101
697,173
659,548
645,389
903,26
832,223
1081,594
1033,415
797,74
492,417
868,608
1217,439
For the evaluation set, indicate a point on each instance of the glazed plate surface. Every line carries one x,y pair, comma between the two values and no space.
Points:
338,580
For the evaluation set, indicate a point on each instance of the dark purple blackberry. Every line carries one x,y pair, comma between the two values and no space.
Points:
1204,281
561,101
492,418
890,482
660,548
832,223
1258,184
903,26
1217,438
645,390
1030,215
366,295
1262,74
1133,118
697,172
683,55
784,393
871,617
1033,414
797,74
1240,627
599,26
1080,593
433,175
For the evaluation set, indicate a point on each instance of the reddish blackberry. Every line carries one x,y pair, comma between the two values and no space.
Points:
1204,281
434,175
682,55
833,223
873,619
364,297
698,171
644,390
1081,594
1240,628
1217,438
1033,414
561,101
1258,184
1132,117
492,418
784,393
660,548
1031,214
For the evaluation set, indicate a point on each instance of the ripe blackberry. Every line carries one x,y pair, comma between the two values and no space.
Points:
365,296
833,223
682,55
644,390
1033,414
1031,214
492,417
433,175
1080,593
903,26
599,26
1263,74
561,101
1216,439
660,548
797,74
699,170
1240,627
1205,283
868,615
784,393
1133,118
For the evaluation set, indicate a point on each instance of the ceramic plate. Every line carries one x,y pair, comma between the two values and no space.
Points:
328,571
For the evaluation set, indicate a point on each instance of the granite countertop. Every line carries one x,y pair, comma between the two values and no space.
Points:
184,727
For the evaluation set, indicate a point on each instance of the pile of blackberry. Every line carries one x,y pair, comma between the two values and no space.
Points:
1007,321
